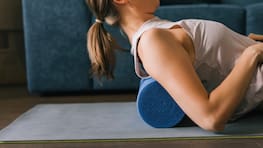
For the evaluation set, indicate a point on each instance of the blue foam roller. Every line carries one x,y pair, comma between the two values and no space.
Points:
156,107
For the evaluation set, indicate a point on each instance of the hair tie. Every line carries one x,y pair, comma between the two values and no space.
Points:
99,21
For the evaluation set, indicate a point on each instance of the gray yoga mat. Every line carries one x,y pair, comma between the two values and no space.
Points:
108,121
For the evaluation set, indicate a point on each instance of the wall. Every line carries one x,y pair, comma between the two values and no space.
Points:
12,57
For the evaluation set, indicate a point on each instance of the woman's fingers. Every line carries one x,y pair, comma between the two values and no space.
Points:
257,37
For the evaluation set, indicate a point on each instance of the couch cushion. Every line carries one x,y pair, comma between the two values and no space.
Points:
55,39
231,16
254,18
174,2
241,2
125,77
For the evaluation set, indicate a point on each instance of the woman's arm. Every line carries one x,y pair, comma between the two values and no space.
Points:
168,62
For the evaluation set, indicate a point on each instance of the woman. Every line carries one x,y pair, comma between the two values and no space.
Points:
213,73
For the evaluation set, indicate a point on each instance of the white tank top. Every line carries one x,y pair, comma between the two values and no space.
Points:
217,48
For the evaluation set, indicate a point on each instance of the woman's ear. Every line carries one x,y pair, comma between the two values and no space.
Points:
120,2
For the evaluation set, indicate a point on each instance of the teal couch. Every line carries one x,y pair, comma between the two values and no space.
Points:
55,40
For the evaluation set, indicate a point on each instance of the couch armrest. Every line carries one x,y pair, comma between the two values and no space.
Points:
255,19
55,40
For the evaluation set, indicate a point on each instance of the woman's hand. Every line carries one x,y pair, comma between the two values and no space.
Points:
256,37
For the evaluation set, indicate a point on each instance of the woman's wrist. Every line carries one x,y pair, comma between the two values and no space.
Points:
256,52
251,56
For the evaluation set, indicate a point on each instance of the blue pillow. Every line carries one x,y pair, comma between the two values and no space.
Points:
156,107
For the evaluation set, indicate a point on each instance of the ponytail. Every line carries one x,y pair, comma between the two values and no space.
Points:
101,47
100,43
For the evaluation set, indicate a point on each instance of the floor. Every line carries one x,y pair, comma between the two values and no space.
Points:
15,100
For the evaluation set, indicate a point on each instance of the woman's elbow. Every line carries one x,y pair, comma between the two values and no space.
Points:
212,124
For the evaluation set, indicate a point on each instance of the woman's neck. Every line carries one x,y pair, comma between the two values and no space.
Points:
131,24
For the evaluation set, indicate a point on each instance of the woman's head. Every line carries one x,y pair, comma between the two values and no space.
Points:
104,10
101,44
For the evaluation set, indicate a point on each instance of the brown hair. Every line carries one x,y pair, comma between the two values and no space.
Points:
100,43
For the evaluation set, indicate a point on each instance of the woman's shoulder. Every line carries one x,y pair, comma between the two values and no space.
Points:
152,37
156,38
151,27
